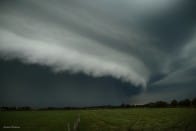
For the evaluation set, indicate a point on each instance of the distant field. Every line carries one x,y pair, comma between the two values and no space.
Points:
101,119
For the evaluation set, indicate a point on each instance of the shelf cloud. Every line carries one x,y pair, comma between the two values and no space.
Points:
128,40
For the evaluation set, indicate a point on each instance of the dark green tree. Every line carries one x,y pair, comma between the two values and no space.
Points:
194,102
174,103
185,102
161,104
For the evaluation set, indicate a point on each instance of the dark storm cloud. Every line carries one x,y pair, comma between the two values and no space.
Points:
52,36
36,86
148,43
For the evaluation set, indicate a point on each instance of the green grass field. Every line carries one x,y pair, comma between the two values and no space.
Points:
102,119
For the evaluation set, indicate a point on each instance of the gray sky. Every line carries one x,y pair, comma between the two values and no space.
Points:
143,47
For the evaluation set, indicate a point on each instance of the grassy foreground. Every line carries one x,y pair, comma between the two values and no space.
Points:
101,119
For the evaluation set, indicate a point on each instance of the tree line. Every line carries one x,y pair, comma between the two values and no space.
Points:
157,104
173,103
